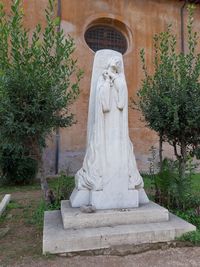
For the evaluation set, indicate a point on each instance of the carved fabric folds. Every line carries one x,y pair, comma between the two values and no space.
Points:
109,149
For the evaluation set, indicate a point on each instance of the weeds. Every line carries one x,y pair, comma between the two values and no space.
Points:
193,237
62,186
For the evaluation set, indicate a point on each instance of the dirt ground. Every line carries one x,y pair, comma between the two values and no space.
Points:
18,236
172,257
178,257
21,244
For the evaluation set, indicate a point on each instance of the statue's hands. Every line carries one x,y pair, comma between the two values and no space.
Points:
106,76
112,75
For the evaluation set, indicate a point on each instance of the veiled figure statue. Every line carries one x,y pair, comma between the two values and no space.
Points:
109,177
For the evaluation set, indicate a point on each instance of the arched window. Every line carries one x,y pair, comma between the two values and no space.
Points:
105,37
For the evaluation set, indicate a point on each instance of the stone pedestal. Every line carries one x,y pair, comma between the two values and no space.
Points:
4,203
104,199
70,230
74,218
80,198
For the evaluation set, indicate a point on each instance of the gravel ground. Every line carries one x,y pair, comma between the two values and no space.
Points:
173,257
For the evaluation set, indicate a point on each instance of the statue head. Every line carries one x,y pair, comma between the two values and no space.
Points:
103,59
115,65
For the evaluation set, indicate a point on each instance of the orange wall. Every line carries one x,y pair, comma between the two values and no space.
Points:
143,18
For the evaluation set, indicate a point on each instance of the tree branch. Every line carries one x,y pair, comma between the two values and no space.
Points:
175,150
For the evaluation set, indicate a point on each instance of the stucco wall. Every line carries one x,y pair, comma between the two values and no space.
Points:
143,19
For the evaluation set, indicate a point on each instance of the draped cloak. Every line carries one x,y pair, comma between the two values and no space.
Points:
109,150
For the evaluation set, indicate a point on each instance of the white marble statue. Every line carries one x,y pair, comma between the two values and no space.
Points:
109,177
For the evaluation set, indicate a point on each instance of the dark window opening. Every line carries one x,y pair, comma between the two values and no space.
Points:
105,37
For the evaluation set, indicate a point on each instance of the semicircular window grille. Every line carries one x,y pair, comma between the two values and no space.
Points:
105,37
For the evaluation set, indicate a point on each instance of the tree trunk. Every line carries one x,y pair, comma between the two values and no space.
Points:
36,153
183,160
48,193
160,150
158,193
182,171
43,180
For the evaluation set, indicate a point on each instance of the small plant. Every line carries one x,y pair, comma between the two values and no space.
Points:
14,205
171,190
193,237
62,186
153,171
194,218
153,165
189,215
37,216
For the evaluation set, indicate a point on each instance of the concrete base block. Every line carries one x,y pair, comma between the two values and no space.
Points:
103,199
143,199
79,198
4,203
106,200
74,218
56,239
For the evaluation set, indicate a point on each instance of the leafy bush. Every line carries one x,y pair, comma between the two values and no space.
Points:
38,83
15,168
169,98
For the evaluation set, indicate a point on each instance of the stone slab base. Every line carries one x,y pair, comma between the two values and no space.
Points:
128,199
74,218
4,203
80,198
106,199
56,239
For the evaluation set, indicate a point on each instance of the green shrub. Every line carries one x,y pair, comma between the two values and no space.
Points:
39,80
169,97
16,168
